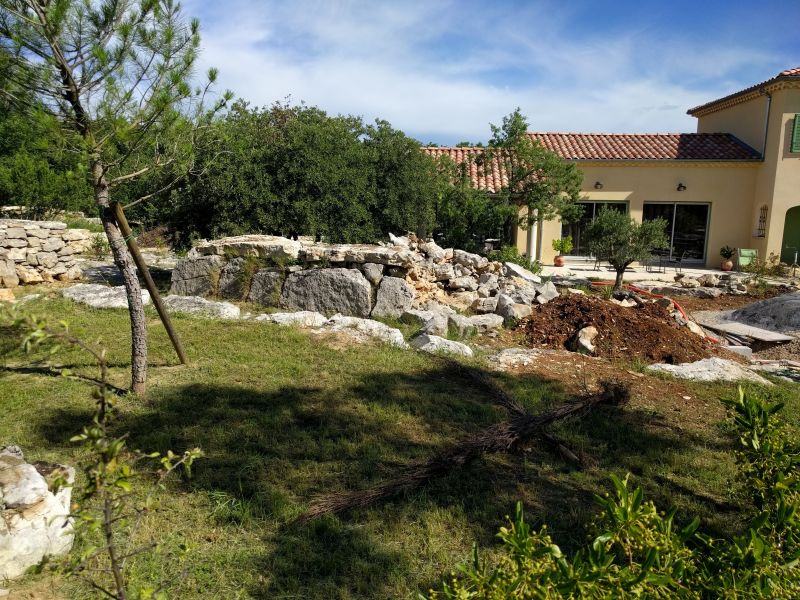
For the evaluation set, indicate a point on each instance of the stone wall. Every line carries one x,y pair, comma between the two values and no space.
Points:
356,280
39,251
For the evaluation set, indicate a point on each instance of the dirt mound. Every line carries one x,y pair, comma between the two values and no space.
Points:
646,332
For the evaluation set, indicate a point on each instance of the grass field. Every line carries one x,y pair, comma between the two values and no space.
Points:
284,416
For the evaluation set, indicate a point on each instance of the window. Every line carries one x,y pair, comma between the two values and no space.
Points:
761,225
795,143
590,211
687,227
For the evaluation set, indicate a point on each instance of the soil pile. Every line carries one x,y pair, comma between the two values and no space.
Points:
646,332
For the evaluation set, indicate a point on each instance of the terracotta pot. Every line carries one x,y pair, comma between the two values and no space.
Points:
559,261
727,265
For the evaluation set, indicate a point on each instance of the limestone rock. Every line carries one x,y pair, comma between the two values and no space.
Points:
584,342
444,272
695,328
708,280
101,296
514,357
195,305
368,328
710,369
395,296
467,259
434,252
485,323
515,270
547,292
197,276
462,326
231,279
35,521
303,318
358,253
373,272
8,273
435,344
328,291
689,282
6,295
429,321
52,244
262,246
265,287
485,305
467,284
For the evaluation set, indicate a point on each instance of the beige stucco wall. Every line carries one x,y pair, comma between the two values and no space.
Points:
746,121
728,188
778,184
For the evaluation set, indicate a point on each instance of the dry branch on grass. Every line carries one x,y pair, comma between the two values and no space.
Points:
502,437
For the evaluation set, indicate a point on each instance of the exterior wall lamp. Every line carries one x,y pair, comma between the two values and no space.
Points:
598,185
681,187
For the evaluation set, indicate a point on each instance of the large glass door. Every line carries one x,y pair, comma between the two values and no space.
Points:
590,211
687,227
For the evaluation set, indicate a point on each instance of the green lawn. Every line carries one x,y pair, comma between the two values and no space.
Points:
283,416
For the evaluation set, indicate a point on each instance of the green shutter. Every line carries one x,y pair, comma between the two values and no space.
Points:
796,135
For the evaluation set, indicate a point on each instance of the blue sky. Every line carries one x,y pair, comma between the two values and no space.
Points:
443,70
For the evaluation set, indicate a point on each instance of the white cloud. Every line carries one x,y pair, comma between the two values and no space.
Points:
442,71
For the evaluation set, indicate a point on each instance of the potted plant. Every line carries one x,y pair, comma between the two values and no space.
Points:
726,252
562,246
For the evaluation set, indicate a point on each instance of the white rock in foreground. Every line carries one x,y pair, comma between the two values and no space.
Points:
515,270
194,305
435,344
369,328
34,522
710,369
303,318
513,357
101,296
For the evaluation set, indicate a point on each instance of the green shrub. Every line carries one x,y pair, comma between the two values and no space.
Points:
638,551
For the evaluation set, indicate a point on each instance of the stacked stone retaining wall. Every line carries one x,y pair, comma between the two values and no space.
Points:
39,251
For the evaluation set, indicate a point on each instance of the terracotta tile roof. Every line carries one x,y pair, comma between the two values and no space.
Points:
745,94
491,178
646,146
608,146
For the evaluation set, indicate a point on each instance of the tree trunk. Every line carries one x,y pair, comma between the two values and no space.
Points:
618,280
133,290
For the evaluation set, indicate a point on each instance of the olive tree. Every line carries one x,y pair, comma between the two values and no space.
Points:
534,176
616,238
118,73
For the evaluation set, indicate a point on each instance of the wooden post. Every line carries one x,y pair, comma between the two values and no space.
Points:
133,247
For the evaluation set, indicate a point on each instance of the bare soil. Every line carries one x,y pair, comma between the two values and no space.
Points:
729,301
646,332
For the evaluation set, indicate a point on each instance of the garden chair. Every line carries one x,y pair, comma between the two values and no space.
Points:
745,257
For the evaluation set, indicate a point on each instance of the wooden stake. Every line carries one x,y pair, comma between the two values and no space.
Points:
133,247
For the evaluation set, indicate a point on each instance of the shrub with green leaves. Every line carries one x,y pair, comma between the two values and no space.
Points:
512,255
638,551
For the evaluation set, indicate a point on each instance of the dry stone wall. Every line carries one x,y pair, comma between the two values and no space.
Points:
39,251
356,280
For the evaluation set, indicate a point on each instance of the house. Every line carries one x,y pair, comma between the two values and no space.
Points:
735,182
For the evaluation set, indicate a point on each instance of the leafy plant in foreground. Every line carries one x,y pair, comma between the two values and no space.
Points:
637,551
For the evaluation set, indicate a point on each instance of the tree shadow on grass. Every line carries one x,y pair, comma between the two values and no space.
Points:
278,448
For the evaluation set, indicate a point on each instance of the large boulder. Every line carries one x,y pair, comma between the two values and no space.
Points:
8,273
328,291
394,298
467,259
266,286
34,520
429,321
101,296
198,276
232,279
272,247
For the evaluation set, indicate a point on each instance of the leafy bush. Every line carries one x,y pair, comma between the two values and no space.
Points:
638,551
769,267
512,255
563,245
